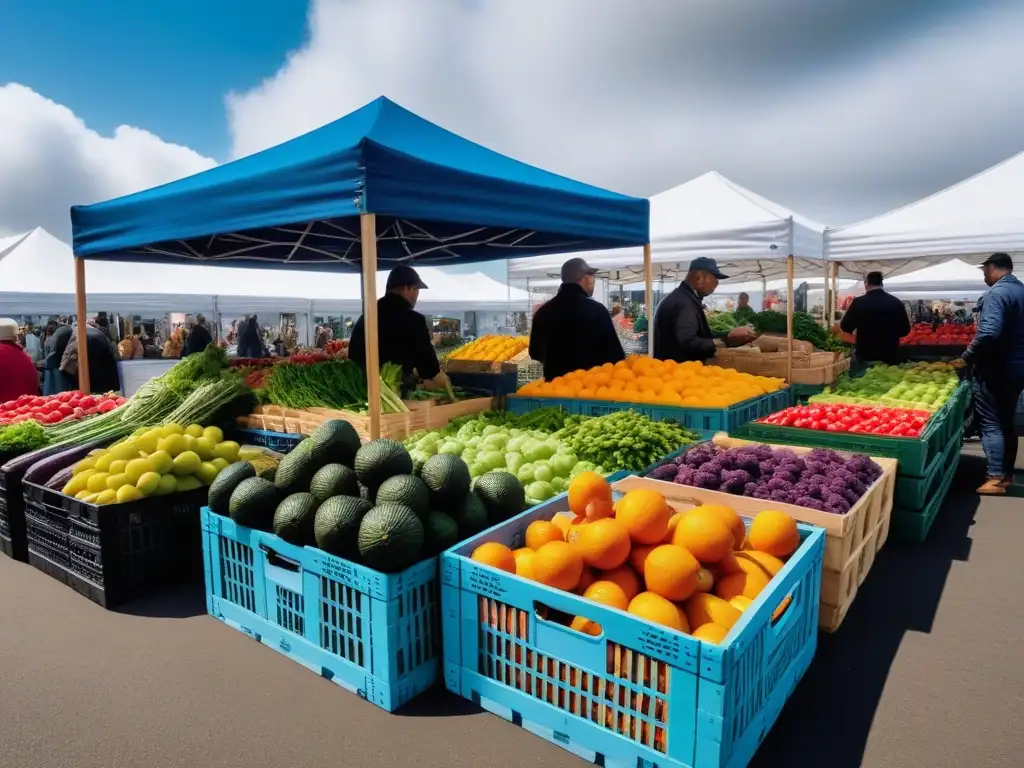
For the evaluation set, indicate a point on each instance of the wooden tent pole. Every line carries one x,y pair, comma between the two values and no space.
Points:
368,236
827,294
81,336
835,294
649,298
789,319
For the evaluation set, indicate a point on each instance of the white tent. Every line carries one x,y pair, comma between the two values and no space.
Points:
37,277
949,277
967,221
747,235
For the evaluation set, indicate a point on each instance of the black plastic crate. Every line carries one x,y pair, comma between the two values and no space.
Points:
118,552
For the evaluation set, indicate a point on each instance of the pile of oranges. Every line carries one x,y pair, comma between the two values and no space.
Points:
491,348
695,571
640,379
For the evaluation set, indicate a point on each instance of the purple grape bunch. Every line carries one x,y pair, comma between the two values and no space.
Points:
821,479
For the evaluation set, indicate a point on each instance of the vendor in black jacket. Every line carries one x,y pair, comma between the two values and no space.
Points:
402,333
681,330
880,320
572,331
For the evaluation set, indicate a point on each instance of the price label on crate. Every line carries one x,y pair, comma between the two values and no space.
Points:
485,583
658,643
338,569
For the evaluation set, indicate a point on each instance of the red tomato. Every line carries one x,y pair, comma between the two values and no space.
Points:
87,402
106,406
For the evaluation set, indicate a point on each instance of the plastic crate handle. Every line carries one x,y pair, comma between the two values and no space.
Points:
282,570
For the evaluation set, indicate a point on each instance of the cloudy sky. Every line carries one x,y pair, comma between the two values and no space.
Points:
839,109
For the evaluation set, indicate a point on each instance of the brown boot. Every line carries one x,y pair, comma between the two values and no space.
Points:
1007,481
993,486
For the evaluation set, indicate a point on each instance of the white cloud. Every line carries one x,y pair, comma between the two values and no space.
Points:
837,109
50,160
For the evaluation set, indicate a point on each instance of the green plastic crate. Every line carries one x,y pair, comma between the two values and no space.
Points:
915,493
912,526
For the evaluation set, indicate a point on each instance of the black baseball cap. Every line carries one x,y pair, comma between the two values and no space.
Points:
999,261
575,269
403,276
705,264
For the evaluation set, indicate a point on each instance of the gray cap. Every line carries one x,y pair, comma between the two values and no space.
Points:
704,264
575,269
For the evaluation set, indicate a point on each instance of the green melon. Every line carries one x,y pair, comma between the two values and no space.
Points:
405,489
253,502
380,459
219,496
502,494
470,516
335,442
391,538
333,480
447,478
441,532
294,518
336,525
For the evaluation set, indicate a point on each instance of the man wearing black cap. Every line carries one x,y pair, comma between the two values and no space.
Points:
879,320
996,356
571,331
402,333
681,330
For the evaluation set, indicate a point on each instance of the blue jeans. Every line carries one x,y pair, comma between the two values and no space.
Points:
995,403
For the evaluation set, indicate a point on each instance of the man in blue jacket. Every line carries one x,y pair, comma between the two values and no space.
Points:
996,356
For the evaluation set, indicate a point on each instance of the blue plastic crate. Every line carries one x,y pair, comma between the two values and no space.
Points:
638,694
706,421
375,634
281,442
497,384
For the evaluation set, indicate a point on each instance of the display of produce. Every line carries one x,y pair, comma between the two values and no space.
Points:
853,419
56,409
491,348
822,479
339,384
944,334
557,447
920,386
805,328
640,379
694,571
157,462
368,503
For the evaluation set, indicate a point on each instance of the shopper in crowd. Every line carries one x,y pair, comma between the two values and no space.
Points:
33,346
131,347
572,331
324,333
996,358
681,330
18,374
744,312
54,380
403,337
250,339
103,373
879,320
199,337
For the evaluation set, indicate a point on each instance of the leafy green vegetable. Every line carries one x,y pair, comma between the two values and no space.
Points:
624,439
22,438
723,322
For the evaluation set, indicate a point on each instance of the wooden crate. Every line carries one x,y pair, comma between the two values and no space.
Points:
851,540
397,426
816,368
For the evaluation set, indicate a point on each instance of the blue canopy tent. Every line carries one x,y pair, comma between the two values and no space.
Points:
379,187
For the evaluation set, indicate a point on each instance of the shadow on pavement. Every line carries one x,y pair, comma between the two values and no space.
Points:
181,602
439,702
828,719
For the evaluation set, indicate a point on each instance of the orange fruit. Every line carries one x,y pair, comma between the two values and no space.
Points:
557,564
540,532
768,563
705,580
524,562
495,555
590,496
645,514
562,522
748,584
777,613
709,609
586,579
603,544
741,603
627,579
710,633
607,593
657,610
586,626
671,571
704,535
637,557
775,533
732,521
672,523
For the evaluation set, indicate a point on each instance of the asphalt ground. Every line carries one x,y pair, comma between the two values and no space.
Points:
927,670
